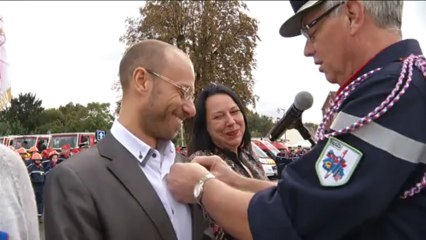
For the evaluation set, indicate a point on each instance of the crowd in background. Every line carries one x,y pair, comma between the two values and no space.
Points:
39,164
294,153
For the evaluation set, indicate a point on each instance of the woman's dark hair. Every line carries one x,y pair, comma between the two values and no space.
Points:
200,139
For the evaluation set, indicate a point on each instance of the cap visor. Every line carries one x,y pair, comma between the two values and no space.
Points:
292,26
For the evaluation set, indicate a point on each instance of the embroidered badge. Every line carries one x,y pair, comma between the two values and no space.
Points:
337,162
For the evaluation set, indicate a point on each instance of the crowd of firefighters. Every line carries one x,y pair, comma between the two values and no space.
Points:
294,153
39,164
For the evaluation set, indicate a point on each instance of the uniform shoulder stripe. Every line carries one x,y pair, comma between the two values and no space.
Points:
383,138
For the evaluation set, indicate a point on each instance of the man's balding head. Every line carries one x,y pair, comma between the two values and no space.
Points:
150,54
157,81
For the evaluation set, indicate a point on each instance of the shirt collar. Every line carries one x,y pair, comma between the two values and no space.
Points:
138,148
394,53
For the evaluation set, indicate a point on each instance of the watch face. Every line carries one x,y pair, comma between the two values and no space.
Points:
197,190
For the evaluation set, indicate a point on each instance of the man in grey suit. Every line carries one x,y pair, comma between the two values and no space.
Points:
117,190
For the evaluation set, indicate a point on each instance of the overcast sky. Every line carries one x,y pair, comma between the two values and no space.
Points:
69,52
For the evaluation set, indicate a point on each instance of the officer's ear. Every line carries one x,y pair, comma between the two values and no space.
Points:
355,15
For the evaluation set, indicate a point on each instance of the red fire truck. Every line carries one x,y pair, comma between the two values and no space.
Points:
75,140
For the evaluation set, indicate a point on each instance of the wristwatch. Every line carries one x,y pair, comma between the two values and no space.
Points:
199,187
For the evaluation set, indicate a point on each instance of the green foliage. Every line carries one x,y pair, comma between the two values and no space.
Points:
11,127
259,125
219,37
99,117
26,116
51,120
23,114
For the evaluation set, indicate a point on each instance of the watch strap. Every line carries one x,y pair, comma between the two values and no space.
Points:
200,184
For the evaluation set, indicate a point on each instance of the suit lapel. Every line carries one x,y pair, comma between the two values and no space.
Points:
126,169
199,223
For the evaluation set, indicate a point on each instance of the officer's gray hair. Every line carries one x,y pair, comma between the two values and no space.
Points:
386,14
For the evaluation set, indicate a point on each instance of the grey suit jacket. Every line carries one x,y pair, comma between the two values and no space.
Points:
101,193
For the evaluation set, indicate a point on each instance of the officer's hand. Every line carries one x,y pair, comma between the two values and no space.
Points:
219,168
182,179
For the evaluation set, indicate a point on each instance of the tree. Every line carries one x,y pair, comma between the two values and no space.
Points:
11,128
26,116
78,118
52,120
99,117
259,125
74,115
219,37
23,114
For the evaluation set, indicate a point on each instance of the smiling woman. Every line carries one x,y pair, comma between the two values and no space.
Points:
92,43
220,128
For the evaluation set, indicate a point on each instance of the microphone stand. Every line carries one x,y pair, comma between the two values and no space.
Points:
304,132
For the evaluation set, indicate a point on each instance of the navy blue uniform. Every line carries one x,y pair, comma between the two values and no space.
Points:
37,175
49,165
368,206
28,162
45,162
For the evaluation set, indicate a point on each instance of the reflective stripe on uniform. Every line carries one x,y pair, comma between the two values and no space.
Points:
39,172
383,138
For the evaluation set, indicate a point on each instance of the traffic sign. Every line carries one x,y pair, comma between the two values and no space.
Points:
100,134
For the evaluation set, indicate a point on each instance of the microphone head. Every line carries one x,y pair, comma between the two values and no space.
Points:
303,100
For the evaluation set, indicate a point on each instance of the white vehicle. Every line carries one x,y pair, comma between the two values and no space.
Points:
269,165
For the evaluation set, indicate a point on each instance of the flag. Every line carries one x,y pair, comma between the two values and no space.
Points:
5,84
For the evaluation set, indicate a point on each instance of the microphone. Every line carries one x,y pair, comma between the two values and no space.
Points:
292,116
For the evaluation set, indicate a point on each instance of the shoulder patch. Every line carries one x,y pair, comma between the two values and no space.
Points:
336,163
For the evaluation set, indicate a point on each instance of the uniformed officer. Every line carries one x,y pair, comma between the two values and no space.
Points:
37,175
45,157
365,177
74,151
65,152
23,153
53,161
33,150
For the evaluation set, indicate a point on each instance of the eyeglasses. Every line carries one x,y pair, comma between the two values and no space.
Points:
305,29
185,91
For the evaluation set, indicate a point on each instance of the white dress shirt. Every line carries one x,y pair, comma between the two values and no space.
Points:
156,167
